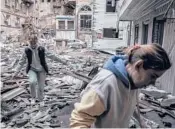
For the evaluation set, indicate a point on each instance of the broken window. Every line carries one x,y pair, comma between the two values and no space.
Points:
70,25
110,33
54,0
145,33
17,23
42,0
61,25
7,19
110,5
7,3
158,31
16,4
86,8
48,0
85,22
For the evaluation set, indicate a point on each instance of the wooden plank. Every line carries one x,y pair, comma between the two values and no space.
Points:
143,103
13,93
76,76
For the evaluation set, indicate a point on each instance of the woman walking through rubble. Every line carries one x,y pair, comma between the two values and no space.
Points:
36,68
110,98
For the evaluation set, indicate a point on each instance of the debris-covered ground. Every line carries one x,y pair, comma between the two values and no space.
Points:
63,86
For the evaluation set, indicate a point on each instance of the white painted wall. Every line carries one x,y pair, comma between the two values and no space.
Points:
65,34
103,19
68,35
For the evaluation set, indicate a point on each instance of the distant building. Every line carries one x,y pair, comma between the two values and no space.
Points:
49,9
97,24
13,14
65,27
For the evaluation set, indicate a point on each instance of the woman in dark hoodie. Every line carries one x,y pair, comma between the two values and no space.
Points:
110,98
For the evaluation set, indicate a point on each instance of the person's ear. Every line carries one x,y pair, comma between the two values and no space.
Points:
138,65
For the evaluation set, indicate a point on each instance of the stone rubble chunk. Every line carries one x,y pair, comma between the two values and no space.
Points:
153,92
168,102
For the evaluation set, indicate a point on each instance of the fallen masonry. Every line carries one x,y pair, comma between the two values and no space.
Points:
62,90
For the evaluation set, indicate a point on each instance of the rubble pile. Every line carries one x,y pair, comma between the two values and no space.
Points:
157,108
63,86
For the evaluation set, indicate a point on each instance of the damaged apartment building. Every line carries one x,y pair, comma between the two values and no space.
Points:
153,21
14,14
49,9
97,24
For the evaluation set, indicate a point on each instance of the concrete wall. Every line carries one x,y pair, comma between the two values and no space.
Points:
167,81
102,19
14,13
21,12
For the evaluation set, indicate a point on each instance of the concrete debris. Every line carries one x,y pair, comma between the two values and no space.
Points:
62,90
157,108
153,92
168,102
13,93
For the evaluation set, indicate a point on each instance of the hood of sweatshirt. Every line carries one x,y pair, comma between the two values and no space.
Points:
117,65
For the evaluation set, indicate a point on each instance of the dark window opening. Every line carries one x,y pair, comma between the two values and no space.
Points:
42,0
85,22
136,36
158,31
145,33
110,33
70,25
111,6
48,0
61,25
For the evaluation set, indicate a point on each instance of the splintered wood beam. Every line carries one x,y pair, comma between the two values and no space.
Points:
12,94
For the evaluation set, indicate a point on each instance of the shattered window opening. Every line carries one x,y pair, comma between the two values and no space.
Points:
136,37
61,25
7,3
17,23
85,22
111,5
7,19
16,4
110,33
70,25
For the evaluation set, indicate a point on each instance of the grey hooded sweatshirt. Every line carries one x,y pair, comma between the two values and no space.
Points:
107,101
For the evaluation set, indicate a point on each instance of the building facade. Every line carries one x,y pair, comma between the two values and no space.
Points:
49,9
153,21
97,24
13,15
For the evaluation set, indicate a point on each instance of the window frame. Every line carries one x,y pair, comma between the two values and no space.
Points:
68,25
111,6
114,30
59,24
84,27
